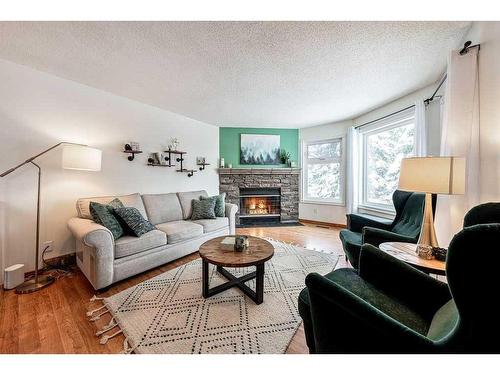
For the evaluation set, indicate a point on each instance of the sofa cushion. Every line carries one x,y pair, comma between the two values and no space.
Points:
181,230
185,199
220,204
132,200
135,222
203,209
210,225
104,214
129,245
162,208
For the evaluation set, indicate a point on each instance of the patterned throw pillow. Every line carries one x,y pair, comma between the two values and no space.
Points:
220,204
203,208
104,214
136,224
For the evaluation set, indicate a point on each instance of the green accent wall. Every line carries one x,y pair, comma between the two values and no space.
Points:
229,144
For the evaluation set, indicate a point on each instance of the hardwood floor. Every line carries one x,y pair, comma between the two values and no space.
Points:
53,320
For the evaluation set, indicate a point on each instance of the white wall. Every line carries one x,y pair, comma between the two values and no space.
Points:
38,110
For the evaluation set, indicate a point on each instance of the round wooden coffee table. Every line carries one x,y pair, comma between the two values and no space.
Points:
407,253
222,255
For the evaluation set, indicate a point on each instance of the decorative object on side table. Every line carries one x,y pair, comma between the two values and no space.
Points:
132,148
431,175
406,252
439,253
74,156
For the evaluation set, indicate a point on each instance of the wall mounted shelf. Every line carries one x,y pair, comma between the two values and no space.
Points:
159,165
132,154
189,172
202,166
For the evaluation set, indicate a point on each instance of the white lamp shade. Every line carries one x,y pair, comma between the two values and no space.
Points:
438,175
81,158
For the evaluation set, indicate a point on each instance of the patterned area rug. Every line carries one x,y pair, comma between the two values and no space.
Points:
167,313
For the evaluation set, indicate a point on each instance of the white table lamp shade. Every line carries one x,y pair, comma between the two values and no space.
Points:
437,175
81,158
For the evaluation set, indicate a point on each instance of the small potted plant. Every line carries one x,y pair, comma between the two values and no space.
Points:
285,157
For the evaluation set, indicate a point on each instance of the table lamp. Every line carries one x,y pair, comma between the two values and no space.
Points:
74,156
432,175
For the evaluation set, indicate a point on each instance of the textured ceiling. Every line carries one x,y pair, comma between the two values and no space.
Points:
262,74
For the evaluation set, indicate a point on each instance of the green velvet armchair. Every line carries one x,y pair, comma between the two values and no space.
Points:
405,227
388,306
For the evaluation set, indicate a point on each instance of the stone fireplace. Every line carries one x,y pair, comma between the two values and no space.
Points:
262,195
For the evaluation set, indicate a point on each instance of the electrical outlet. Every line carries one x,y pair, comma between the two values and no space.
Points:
50,245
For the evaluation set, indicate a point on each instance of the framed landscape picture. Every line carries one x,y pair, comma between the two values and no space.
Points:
259,149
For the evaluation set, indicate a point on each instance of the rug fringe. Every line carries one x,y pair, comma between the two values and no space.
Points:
112,324
106,338
90,313
95,298
127,349
98,316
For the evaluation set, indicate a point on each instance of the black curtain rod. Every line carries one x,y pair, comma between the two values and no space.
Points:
383,117
463,51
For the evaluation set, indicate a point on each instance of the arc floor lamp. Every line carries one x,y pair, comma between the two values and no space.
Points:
74,156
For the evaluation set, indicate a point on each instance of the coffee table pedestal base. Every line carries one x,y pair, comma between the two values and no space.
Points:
257,296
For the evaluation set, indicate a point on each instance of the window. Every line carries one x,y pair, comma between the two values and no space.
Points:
323,171
384,144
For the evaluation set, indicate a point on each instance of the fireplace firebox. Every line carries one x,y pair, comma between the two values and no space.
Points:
260,205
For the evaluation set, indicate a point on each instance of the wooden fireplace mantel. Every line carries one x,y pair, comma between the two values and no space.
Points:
282,171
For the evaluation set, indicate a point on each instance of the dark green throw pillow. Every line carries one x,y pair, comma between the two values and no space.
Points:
104,214
203,208
220,204
136,224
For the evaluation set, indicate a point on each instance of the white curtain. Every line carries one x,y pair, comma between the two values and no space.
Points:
420,129
460,137
352,174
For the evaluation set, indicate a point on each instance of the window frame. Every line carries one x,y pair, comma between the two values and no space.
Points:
403,118
305,162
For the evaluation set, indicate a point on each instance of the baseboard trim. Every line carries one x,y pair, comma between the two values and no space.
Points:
323,223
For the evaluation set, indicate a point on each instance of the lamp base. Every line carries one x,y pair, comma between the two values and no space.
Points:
31,286
427,239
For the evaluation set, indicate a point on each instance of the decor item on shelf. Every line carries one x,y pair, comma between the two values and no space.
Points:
174,143
132,148
74,156
222,162
293,164
200,160
432,175
164,158
260,149
285,157
135,146
229,165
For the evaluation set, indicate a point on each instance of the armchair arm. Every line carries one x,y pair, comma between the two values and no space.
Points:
99,250
417,289
375,236
356,223
329,300
231,210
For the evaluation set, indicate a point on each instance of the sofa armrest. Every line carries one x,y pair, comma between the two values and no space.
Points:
356,223
231,210
97,242
375,236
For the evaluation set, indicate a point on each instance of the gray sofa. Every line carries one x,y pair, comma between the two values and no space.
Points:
105,261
